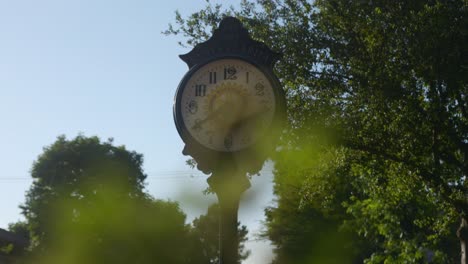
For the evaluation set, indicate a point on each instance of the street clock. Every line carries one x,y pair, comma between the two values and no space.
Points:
229,105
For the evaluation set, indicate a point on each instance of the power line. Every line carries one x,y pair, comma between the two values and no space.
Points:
148,178
162,175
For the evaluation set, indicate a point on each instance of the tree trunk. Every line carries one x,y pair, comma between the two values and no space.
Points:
462,234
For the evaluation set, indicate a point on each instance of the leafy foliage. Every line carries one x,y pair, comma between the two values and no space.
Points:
79,171
377,142
117,230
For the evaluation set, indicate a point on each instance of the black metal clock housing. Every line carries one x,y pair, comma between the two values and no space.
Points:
229,106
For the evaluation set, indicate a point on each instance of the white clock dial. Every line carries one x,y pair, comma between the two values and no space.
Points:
227,105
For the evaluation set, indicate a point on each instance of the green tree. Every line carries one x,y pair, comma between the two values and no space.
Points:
19,228
15,247
87,205
78,169
206,234
377,115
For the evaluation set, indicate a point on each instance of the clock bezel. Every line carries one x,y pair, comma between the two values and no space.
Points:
278,115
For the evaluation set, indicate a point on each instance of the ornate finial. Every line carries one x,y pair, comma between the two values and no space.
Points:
231,39
231,24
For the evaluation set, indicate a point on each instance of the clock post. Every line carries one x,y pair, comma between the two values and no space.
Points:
229,109
229,185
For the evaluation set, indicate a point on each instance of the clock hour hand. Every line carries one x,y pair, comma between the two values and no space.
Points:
211,116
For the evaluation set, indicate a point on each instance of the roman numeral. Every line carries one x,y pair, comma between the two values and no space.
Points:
212,77
200,90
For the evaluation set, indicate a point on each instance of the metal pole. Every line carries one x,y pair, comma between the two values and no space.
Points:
229,241
228,186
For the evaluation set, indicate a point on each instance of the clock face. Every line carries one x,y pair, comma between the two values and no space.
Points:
227,105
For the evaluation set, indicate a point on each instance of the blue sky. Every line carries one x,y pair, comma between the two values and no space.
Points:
99,68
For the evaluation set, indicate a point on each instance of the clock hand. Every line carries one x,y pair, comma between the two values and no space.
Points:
212,115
